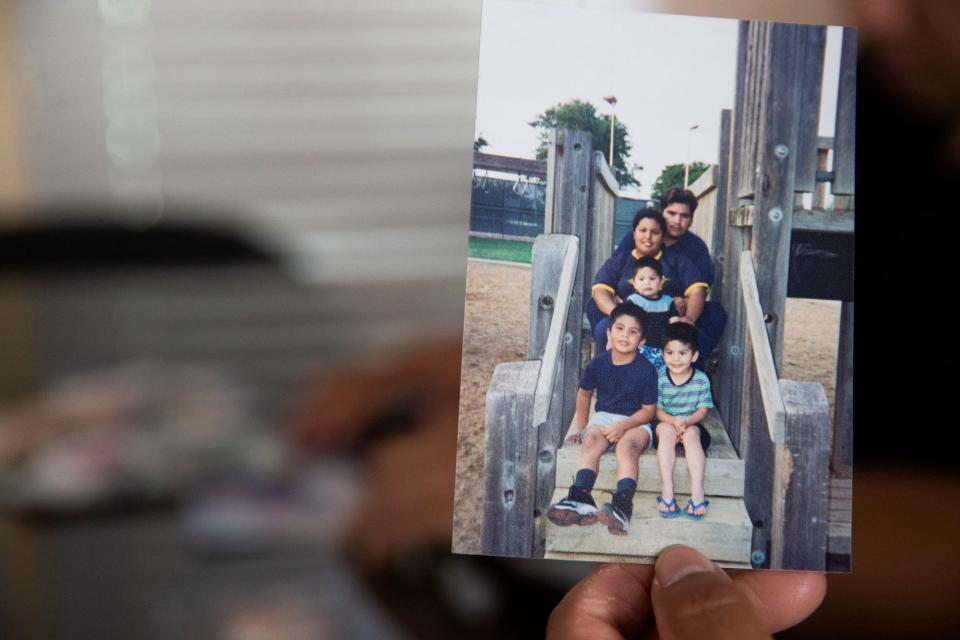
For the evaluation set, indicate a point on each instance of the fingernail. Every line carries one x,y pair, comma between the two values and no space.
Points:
678,562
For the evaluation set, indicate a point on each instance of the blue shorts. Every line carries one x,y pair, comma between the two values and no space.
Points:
605,419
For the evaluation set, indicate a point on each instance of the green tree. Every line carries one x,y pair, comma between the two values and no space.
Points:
672,176
480,143
581,115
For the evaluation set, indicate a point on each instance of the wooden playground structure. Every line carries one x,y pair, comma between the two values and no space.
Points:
778,473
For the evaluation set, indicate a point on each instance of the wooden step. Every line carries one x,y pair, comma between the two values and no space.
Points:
723,475
841,515
724,535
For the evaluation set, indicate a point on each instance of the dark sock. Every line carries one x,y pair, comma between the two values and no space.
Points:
583,484
623,498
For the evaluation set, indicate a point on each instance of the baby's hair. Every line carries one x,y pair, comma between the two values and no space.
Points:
632,310
682,332
649,262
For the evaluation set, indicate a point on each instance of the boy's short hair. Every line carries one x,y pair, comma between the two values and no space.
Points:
682,332
632,310
649,262
681,196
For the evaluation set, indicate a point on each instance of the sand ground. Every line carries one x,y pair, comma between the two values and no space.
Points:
495,331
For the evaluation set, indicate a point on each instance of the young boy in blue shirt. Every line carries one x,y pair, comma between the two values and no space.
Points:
626,386
683,401
648,282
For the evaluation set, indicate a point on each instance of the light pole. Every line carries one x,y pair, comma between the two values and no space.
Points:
613,119
686,166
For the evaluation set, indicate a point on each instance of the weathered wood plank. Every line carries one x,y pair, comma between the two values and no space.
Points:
729,379
769,386
810,61
549,438
605,174
595,557
828,221
724,534
838,540
823,165
802,480
844,157
568,212
720,206
509,461
722,476
546,264
777,161
842,457
841,484
552,354
508,164
554,168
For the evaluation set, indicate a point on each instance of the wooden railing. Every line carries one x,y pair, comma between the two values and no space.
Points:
788,483
525,408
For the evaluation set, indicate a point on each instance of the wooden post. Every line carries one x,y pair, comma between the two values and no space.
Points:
720,205
842,460
777,158
571,192
603,203
823,164
812,47
569,178
510,461
844,166
547,261
801,491
730,374
765,415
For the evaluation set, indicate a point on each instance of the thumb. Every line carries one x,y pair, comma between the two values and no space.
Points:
693,598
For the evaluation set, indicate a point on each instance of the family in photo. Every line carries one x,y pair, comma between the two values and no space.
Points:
648,392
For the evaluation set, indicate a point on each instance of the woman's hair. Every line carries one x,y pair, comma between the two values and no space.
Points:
651,213
649,262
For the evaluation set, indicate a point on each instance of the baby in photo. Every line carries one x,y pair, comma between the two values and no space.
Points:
648,282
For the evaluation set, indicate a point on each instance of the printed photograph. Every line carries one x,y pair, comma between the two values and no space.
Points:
658,330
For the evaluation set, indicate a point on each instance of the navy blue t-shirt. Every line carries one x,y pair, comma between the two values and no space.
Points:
680,274
689,245
621,389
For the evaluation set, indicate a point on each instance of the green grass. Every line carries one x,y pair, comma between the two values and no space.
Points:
508,250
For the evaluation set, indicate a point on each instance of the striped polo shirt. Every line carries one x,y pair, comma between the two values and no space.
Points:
684,399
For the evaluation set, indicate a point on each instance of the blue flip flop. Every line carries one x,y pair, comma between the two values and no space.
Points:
671,504
694,505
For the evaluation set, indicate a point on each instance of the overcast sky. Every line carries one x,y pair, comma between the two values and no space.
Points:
668,73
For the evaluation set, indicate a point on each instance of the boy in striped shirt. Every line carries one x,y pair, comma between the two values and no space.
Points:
683,401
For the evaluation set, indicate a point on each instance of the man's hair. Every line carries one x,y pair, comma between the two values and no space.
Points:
632,310
682,332
653,214
649,262
681,196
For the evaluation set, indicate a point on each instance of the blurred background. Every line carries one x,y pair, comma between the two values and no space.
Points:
232,242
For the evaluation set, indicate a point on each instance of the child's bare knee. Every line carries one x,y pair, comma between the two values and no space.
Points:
691,436
594,438
666,432
630,447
